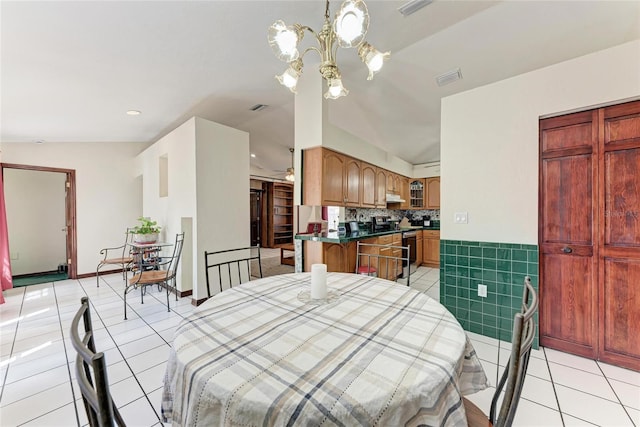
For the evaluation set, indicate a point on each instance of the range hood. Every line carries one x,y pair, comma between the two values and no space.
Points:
394,198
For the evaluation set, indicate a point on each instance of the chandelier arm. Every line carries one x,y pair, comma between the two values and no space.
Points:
304,27
308,49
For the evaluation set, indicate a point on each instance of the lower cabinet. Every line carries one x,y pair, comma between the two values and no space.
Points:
339,257
431,248
418,249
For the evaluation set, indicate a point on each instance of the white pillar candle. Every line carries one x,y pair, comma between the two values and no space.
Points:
318,281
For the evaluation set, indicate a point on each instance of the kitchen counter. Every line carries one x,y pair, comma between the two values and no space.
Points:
335,237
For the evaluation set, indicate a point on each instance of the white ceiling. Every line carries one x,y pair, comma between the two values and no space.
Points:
70,70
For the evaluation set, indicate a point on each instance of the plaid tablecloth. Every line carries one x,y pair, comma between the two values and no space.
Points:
382,354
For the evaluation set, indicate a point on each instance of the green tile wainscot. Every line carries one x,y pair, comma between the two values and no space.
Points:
501,267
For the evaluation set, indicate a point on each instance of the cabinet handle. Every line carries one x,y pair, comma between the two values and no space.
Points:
567,250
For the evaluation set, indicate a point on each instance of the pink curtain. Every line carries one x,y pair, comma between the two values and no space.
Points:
5,260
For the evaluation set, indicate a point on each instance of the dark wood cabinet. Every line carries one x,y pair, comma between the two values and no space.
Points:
589,234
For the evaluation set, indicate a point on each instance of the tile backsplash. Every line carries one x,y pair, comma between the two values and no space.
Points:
364,215
501,267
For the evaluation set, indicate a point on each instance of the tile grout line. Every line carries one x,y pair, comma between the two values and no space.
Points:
624,408
553,385
13,343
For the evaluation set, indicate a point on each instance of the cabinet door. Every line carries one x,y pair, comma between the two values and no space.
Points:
416,194
352,182
334,255
386,267
404,193
391,183
431,248
368,186
419,249
333,185
381,188
432,188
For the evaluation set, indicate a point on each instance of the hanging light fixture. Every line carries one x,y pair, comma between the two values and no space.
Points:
347,30
290,172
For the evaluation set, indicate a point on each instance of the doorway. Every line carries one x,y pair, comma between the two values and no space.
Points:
589,233
255,203
68,264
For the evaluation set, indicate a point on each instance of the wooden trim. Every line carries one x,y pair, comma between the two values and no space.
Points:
70,211
41,273
101,273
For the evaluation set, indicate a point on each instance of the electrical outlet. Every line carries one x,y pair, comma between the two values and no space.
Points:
460,218
482,290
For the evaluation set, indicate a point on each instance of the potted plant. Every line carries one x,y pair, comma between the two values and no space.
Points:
146,232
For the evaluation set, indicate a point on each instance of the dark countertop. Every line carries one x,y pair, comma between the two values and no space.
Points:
335,237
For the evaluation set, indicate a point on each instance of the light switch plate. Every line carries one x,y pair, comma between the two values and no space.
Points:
460,218
482,290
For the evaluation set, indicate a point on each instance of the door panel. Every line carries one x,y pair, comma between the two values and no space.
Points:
621,313
569,301
622,197
567,200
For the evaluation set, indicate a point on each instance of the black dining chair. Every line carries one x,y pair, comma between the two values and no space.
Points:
158,271
515,371
384,261
117,256
91,373
232,266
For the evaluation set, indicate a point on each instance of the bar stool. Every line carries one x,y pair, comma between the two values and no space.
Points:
367,270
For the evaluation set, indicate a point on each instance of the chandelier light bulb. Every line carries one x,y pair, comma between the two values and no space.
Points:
284,40
373,58
351,23
336,90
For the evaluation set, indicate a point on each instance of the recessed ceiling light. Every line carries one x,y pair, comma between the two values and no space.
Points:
39,141
133,112
253,155
412,6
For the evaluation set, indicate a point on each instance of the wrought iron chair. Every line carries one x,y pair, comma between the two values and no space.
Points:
385,261
118,255
91,373
516,369
162,272
223,261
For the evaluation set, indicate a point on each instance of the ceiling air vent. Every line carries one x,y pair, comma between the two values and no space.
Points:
258,107
449,77
412,6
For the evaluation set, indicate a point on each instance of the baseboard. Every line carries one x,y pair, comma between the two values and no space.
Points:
41,273
101,273
197,302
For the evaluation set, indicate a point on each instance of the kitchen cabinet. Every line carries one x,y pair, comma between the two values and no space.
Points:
381,188
418,249
416,194
405,193
352,177
394,182
339,257
368,186
432,192
431,248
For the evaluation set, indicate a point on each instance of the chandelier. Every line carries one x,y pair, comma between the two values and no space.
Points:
347,30
290,173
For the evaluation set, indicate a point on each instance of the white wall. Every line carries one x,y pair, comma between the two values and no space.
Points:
35,203
208,182
489,140
179,148
222,186
108,198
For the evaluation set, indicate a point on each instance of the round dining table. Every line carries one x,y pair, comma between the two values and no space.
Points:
373,353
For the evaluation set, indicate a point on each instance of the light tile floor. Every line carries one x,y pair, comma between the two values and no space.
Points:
37,361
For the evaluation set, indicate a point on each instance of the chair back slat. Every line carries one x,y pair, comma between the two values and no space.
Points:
515,372
91,373
232,266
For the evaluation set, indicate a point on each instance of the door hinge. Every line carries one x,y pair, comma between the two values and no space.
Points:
67,184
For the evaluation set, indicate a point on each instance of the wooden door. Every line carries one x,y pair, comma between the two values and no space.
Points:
405,193
432,192
431,248
391,183
590,234
352,182
619,273
333,182
334,257
368,186
419,248
381,188
568,269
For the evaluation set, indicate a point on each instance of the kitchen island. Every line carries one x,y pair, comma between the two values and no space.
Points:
338,250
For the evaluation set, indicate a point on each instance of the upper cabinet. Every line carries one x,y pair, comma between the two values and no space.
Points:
416,194
335,179
432,192
368,185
